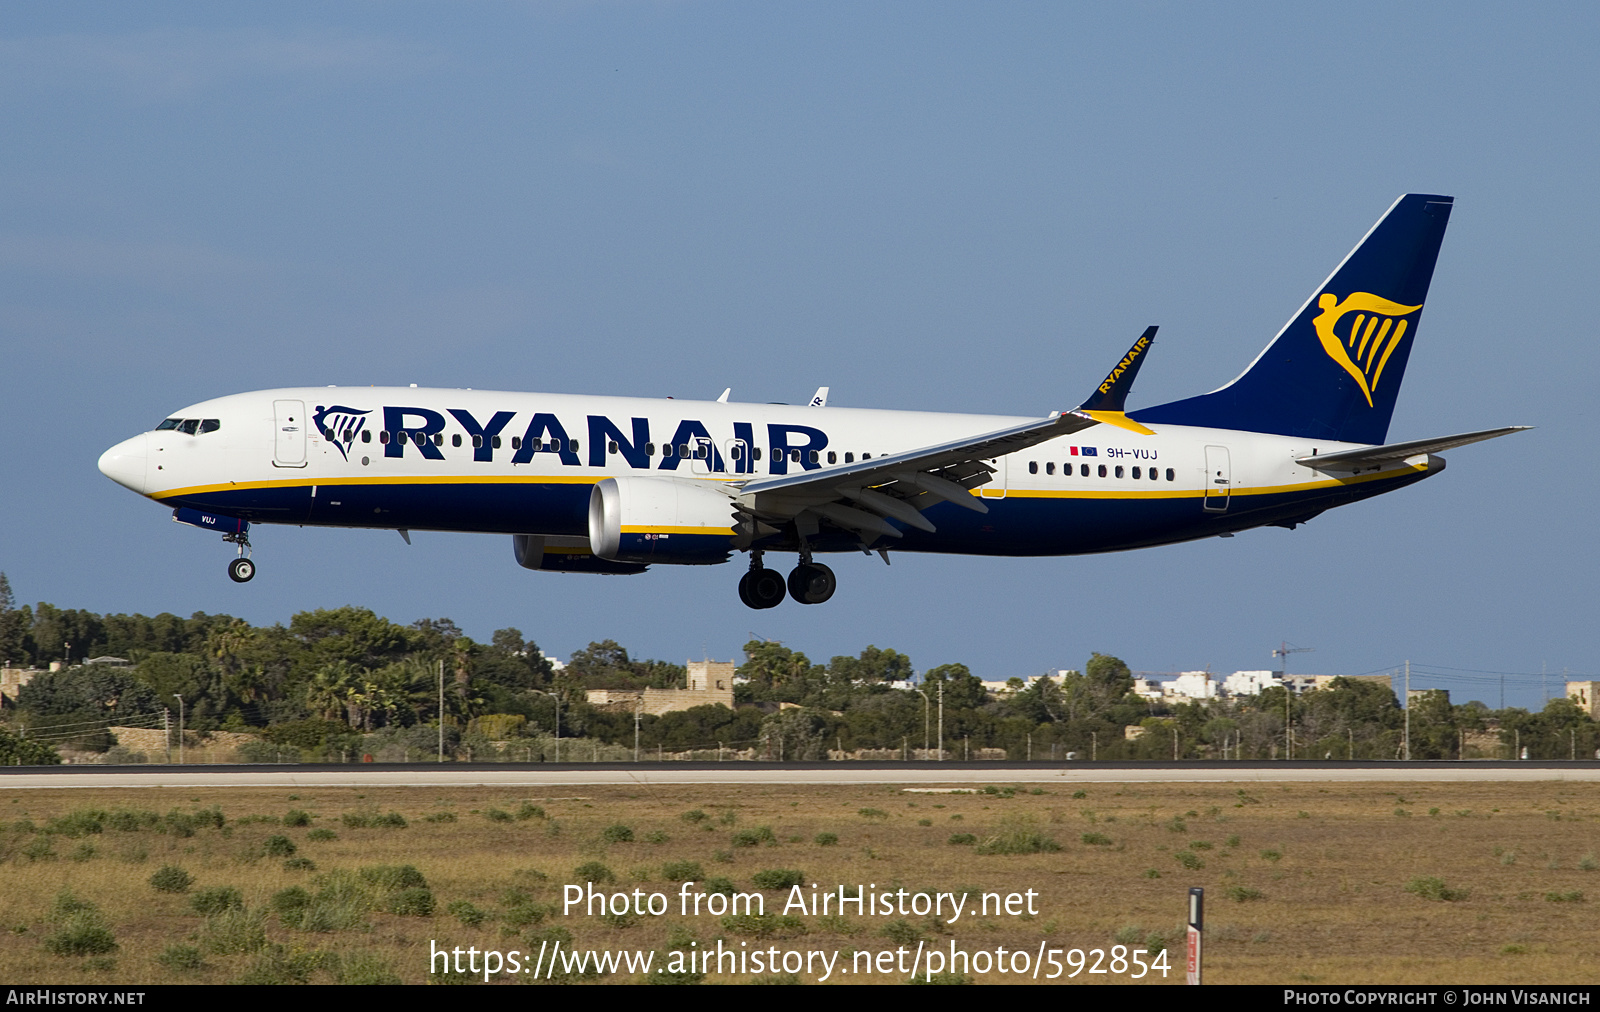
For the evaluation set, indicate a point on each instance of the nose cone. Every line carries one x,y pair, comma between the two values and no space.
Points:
125,463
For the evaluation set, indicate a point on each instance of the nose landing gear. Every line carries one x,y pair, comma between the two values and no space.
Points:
242,569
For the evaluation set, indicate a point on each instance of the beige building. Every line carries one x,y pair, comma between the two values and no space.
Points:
13,679
710,683
1587,696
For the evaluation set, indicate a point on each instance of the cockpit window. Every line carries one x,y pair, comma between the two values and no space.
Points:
189,425
170,423
210,425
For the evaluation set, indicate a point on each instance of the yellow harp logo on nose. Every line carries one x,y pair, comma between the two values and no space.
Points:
1373,335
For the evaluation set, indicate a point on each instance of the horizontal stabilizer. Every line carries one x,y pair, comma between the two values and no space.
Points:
1367,456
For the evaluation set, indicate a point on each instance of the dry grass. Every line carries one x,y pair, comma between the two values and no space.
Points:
1319,875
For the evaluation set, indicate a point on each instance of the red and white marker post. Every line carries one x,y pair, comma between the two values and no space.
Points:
1197,915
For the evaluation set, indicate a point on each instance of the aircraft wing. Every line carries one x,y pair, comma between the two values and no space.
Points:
1368,456
862,496
898,485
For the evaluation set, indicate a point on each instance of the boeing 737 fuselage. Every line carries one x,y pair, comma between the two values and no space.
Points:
614,485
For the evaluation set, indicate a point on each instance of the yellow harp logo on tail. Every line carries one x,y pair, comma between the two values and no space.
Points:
1374,333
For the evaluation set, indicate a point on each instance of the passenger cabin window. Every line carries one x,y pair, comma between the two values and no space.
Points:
1050,467
1102,470
1170,475
1033,467
516,443
496,442
1154,475
455,440
1119,470
833,458
366,435
815,457
849,458
438,439
383,436
1136,472
611,447
477,442
1083,469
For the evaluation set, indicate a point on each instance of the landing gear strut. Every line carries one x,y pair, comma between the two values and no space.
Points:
242,569
761,587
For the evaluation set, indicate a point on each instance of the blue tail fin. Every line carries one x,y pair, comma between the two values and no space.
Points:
1333,371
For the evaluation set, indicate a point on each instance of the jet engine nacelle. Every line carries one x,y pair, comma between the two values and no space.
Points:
565,555
666,520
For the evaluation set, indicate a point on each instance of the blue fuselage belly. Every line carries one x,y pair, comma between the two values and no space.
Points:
1018,525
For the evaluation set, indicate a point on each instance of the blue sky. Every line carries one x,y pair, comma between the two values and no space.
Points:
945,206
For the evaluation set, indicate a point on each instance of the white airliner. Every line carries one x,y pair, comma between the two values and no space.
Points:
613,485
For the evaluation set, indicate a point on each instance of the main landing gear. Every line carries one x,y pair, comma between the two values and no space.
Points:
242,569
809,583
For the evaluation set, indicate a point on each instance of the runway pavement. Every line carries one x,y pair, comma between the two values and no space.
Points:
914,775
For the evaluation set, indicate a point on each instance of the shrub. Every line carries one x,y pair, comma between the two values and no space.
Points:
440,817
322,835
1435,889
962,839
393,877
299,864
1572,897
1199,844
183,958
393,820
1239,894
1587,862
290,905
1018,835
682,871
213,901
1096,839
234,930
529,810
466,913
720,884
171,879
826,839
1272,855
755,837
1152,873
296,817
617,833
656,836
82,934
872,813
1189,859
1080,795
777,878
901,932
497,815
278,846
415,902
695,816
762,926
924,822
593,871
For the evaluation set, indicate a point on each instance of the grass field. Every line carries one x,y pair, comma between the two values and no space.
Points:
1304,883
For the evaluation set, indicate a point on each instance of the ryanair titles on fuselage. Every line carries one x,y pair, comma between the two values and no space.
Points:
420,432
